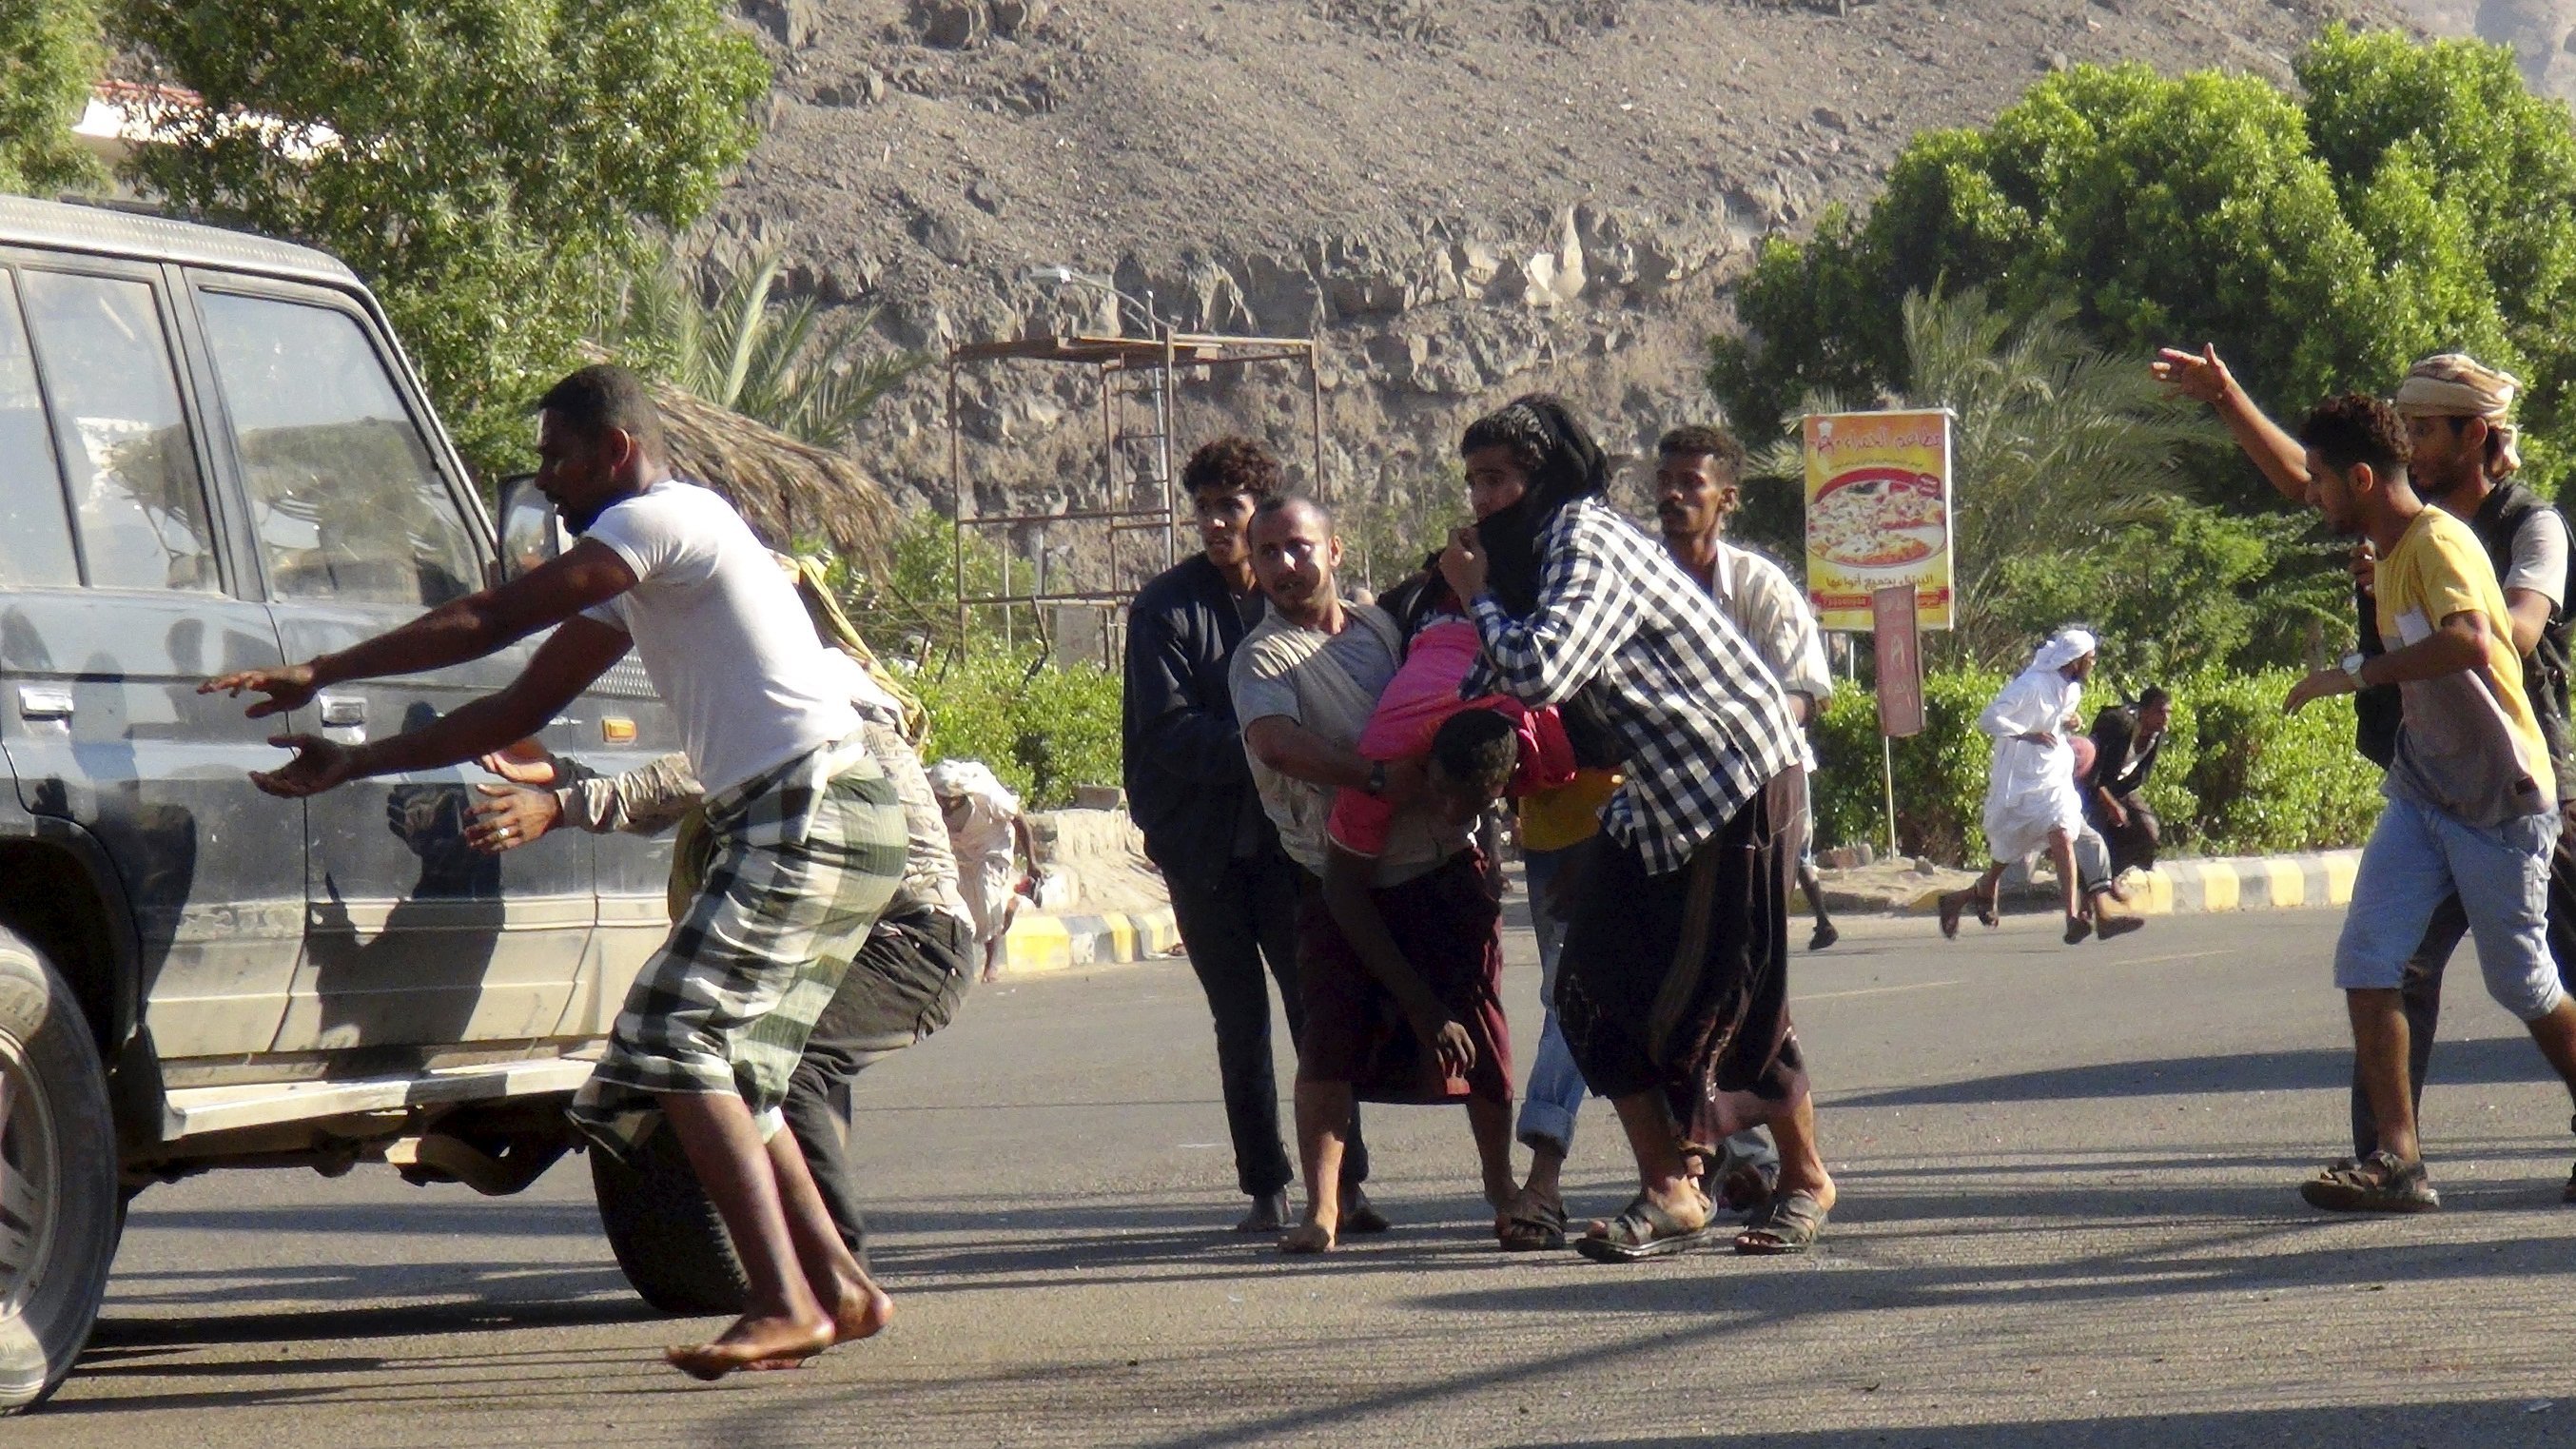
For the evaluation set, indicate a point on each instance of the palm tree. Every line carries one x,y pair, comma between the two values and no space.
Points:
779,363
2055,445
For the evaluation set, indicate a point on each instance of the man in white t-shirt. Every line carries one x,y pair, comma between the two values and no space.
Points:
809,834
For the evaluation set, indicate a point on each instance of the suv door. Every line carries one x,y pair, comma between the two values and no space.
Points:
106,629
412,939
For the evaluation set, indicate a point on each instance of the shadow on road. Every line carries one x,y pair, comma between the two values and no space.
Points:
2490,1424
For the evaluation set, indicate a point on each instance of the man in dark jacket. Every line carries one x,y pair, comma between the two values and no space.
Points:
1189,787
2126,740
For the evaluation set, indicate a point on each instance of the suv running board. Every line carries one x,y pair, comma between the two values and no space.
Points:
196,1111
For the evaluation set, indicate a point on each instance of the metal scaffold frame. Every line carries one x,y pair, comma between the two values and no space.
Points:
1160,361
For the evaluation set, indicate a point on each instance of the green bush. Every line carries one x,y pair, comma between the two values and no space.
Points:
1044,730
2236,777
1940,773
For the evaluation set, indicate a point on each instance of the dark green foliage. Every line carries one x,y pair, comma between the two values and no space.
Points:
493,168
2236,777
2417,199
49,54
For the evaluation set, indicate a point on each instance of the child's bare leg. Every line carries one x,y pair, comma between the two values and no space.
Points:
1491,1122
781,1319
1323,1115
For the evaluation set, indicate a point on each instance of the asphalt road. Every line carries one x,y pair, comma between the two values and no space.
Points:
2068,1219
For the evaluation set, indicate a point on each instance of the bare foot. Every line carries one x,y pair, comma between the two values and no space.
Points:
863,1312
752,1342
1308,1238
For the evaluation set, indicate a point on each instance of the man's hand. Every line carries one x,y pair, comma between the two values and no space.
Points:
288,686
2365,567
2036,737
1450,1045
2199,376
2322,684
2111,806
1463,564
513,765
511,817
319,765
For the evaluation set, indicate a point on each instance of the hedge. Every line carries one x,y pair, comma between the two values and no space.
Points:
1043,729
2236,777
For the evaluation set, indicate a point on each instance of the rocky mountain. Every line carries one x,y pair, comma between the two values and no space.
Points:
1462,199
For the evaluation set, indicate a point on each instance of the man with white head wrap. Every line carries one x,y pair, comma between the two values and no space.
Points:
2465,450
2032,800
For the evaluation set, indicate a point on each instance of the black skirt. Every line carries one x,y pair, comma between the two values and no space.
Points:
1679,982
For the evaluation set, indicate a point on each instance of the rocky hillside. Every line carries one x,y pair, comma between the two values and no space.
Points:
1462,198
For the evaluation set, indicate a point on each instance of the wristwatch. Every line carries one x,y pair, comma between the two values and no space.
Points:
2352,669
1377,779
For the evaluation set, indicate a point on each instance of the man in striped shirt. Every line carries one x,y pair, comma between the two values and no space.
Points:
1673,987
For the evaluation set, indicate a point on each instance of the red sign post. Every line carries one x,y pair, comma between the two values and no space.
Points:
1900,683
1900,661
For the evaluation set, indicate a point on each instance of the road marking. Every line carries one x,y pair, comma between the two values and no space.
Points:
2177,956
1869,991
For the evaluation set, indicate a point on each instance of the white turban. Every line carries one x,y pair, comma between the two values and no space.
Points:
2063,648
2456,385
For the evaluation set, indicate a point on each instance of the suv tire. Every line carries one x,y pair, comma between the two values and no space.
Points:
668,1239
60,1211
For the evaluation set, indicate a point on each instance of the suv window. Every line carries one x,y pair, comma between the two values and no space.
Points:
139,511
32,519
344,494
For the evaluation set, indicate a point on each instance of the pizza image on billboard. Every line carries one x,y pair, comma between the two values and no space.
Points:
1878,518
1878,513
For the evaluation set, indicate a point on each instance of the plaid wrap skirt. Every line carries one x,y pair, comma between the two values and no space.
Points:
805,858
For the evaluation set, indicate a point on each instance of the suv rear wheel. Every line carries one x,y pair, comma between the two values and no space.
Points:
667,1237
59,1207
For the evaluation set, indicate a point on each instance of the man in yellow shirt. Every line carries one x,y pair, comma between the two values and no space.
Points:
2471,794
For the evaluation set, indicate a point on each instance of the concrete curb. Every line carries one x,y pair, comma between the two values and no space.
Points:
2226,883
1039,944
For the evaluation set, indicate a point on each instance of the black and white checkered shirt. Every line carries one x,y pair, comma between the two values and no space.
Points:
1700,721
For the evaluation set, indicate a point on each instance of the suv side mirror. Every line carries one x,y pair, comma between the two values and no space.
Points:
531,533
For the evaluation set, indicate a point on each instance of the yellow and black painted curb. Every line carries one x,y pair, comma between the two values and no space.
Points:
1039,943
2232,883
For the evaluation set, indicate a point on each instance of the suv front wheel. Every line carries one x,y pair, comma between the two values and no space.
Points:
59,1207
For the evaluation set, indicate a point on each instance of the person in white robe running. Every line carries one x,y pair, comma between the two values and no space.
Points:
2032,800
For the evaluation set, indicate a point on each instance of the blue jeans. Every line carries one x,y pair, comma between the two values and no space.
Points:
2417,858
1556,1088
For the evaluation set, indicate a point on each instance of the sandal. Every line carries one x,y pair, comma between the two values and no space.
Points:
1536,1225
1643,1230
2077,928
1951,905
1747,1189
1788,1225
2378,1183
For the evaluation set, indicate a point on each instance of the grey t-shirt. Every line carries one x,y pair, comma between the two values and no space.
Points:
1329,684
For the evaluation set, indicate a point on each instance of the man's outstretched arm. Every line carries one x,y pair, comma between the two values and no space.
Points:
2202,377
579,652
590,573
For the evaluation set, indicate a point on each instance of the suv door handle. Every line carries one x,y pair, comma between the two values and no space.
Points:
35,702
342,712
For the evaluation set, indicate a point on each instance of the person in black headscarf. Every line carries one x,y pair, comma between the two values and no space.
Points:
1672,989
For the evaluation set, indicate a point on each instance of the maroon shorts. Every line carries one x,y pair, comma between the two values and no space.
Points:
1451,931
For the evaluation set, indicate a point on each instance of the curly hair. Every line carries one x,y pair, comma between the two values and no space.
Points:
1701,440
2357,428
1234,464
